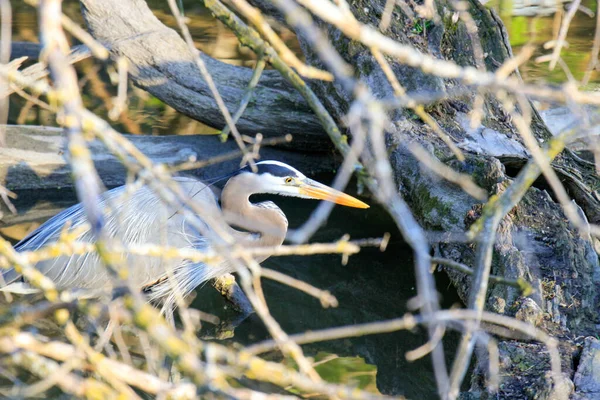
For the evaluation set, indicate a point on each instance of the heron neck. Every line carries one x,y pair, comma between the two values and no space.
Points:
264,219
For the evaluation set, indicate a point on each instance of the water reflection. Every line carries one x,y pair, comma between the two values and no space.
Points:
536,22
533,8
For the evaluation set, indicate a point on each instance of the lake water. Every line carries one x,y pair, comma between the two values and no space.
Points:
374,285
533,21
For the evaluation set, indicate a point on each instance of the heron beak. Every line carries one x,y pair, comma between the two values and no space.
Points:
319,191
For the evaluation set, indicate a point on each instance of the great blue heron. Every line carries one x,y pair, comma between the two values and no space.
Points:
141,217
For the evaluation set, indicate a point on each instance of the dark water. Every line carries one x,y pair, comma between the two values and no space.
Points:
373,286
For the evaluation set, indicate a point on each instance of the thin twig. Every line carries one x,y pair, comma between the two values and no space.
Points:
418,109
324,296
259,23
5,47
595,50
464,181
256,74
521,284
247,158
564,28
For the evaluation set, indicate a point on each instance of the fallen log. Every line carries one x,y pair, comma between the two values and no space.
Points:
162,64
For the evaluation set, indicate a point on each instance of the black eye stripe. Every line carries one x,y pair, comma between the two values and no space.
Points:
273,169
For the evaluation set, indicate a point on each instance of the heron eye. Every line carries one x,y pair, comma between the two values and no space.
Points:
289,179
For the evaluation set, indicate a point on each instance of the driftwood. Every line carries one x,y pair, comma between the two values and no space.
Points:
33,164
162,64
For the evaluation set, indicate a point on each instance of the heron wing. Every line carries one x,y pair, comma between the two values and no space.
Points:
134,218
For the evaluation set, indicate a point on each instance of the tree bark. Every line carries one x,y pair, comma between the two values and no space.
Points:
33,157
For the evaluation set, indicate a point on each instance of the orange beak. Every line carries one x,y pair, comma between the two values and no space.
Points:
315,190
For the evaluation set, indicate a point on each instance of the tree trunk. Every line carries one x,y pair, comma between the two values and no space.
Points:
162,64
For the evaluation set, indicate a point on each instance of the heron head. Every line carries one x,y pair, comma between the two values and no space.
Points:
278,178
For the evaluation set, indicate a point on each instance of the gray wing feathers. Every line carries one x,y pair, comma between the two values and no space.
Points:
133,218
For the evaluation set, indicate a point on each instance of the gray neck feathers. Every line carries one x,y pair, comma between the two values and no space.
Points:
265,219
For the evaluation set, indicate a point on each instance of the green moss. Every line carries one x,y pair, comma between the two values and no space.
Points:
354,47
433,210
366,68
341,43
449,35
421,26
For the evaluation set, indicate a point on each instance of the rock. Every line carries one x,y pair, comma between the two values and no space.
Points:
587,377
482,140
558,119
524,375
583,396
497,304
552,391
530,312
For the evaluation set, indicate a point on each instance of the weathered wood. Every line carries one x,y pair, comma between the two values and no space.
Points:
33,158
162,64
